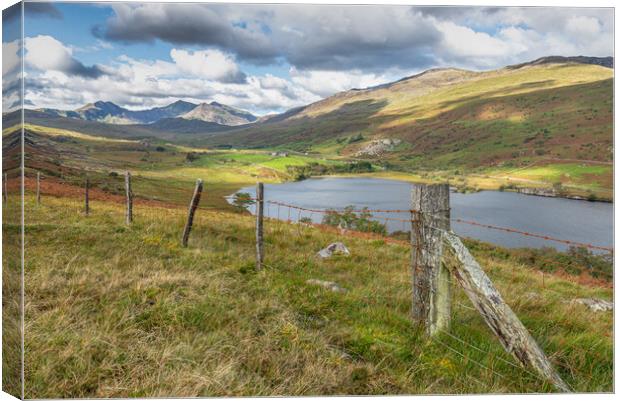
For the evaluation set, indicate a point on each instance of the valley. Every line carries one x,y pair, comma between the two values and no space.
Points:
540,128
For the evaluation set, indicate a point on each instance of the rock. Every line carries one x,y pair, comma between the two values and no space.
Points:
333,248
378,147
595,305
329,285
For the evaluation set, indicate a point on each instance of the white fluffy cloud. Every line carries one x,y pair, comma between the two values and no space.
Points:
210,64
325,83
193,76
328,49
44,53
10,57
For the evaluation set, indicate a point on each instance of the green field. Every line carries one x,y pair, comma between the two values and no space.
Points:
474,123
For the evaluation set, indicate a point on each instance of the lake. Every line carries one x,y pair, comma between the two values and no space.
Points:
580,221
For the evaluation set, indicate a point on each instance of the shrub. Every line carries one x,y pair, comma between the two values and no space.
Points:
360,221
242,200
191,156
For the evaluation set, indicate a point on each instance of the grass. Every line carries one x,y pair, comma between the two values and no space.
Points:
122,311
475,122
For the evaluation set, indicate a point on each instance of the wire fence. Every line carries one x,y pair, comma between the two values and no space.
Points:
149,192
140,200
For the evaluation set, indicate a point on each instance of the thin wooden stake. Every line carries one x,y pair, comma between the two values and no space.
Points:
6,189
38,188
193,205
86,200
514,337
129,196
260,200
431,279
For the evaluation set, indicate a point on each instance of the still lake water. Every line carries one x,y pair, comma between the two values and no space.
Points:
581,221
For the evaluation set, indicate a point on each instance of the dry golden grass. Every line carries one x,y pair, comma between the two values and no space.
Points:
122,311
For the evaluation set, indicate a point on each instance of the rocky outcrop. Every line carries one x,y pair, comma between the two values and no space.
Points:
329,285
332,249
378,146
595,304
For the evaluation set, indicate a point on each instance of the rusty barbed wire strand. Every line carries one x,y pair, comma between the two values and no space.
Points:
540,236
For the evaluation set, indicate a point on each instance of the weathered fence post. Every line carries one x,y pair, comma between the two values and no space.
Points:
514,337
129,195
86,200
431,279
6,189
193,205
259,225
38,188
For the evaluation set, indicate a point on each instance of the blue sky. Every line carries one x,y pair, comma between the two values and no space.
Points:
269,58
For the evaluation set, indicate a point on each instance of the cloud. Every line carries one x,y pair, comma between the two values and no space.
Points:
42,10
325,83
210,64
306,36
31,10
368,38
185,24
11,61
196,76
46,53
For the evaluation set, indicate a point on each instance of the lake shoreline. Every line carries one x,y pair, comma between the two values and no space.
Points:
580,222
411,178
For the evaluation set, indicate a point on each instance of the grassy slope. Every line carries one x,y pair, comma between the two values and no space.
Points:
479,121
164,174
124,311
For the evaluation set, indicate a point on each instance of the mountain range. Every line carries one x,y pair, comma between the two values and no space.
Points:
558,107
110,113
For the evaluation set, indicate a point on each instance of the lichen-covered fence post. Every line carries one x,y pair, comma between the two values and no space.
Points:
431,279
193,205
497,314
129,197
260,200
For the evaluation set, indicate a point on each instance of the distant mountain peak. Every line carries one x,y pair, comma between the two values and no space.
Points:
602,61
219,113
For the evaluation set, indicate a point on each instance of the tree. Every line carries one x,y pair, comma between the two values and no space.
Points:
242,200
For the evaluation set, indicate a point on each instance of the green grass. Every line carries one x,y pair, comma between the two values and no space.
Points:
489,120
121,311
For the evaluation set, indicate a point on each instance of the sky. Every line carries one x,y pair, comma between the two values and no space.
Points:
269,58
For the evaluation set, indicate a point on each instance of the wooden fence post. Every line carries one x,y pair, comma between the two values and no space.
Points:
259,225
38,188
86,200
514,337
193,205
430,278
129,196
6,189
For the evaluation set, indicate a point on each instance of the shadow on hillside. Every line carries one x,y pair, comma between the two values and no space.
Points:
443,134
350,118
507,91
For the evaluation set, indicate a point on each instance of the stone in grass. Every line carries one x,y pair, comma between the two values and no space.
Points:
330,285
332,249
595,304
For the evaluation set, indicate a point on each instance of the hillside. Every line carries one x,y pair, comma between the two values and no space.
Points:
219,113
452,118
201,322
110,113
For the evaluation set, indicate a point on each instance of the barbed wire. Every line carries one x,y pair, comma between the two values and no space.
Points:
180,191
529,234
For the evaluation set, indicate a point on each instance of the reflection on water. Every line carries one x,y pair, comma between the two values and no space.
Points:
580,221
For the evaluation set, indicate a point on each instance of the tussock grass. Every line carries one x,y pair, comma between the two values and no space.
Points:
121,311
